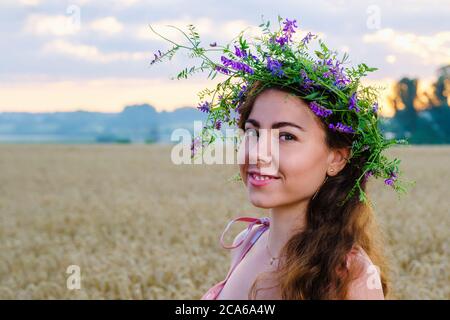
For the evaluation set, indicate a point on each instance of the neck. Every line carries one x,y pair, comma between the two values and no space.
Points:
284,222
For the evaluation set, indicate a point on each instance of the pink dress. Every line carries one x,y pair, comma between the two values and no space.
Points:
366,286
213,292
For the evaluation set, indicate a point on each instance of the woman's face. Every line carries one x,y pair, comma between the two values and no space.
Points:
298,166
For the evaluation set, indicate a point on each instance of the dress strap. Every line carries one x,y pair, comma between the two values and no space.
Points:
265,221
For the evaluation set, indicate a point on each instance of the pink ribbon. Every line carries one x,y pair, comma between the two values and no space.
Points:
252,220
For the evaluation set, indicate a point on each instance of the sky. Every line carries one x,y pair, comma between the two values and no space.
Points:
95,55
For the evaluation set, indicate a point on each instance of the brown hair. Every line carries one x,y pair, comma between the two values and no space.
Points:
316,257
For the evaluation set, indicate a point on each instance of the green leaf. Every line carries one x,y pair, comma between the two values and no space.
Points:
312,95
362,197
324,47
243,43
319,54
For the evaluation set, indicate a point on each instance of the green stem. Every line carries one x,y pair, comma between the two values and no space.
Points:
169,39
195,46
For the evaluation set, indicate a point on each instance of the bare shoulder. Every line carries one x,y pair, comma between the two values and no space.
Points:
236,251
366,280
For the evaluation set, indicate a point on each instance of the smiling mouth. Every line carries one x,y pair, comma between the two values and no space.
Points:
258,180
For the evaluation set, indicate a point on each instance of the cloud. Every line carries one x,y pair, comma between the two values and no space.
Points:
101,94
106,25
220,31
391,58
63,25
21,3
92,53
30,2
127,3
231,29
204,26
58,25
432,49
115,32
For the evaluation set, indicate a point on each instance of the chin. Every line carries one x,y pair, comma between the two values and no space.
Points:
263,202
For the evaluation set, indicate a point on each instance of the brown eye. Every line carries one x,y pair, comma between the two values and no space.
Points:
287,136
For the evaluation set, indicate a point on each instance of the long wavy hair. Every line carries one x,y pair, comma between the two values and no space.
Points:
316,257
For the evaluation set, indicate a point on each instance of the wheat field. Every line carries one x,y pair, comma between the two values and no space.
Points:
140,227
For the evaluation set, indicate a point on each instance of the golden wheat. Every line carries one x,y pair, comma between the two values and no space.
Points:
140,227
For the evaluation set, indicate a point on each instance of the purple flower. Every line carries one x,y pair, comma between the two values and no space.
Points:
282,40
240,53
327,74
319,110
195,145
327,62
335,70
157,57
241,92
342,82
222,70
254,57
204,107
237,65
307,38
239,97
367,175
353,103
218,124
307,83
289,26
288,30
274,66
390,181
341,128
375,107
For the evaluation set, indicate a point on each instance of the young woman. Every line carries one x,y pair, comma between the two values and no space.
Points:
309,247
317,142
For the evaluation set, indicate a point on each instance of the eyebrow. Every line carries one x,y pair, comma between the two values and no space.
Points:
276,125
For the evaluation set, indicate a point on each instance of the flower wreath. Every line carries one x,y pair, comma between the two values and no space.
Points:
334,93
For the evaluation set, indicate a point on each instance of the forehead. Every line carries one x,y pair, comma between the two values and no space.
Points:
276,106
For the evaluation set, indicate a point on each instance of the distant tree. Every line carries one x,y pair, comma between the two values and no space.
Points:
405,93
431,125
439,107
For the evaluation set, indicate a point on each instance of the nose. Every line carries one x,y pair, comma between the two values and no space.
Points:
262,151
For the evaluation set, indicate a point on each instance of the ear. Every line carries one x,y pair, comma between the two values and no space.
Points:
337,160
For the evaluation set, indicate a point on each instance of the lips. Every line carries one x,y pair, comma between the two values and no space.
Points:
259,173
258,180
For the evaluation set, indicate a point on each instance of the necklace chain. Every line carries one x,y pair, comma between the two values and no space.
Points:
272,258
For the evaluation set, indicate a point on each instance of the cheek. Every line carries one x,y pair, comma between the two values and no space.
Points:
302,168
